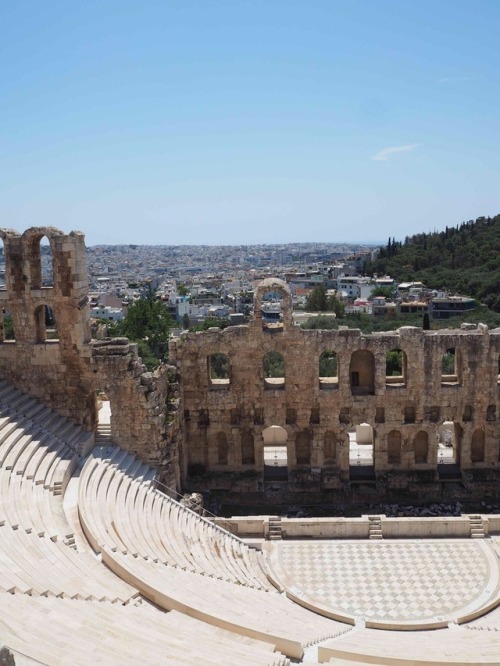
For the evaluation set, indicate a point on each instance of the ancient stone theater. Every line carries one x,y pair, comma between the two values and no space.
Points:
100,564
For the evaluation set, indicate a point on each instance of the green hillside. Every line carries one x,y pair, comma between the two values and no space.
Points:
464,259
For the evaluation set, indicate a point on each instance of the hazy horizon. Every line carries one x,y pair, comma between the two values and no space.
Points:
239,123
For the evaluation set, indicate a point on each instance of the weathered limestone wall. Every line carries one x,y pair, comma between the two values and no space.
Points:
67,372
359,528
317,416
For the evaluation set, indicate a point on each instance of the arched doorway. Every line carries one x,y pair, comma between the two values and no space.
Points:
361,442
448,450
275,454
103,405
362,372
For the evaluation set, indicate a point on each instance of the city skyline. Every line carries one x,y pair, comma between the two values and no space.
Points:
244,123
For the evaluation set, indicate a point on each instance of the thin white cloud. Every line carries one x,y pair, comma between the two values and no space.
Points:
384,154
454,79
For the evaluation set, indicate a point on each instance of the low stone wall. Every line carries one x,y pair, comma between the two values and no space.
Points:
358,528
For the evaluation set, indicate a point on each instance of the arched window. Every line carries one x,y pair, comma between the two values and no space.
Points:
477,446
45,324
275,454
47,265
272,311
247,448
274,370
222,448
362,372
42,264
328,370
361,440
273,305
394,447
450,367
6,326
421,447
448,450
330,447
218,370
395,368
303,447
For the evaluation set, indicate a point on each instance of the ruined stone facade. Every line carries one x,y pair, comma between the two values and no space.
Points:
67,372
225,420
206,430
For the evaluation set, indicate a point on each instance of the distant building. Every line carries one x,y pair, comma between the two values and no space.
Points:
106,312
452,306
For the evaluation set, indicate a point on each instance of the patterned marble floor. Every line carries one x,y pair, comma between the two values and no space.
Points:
391,581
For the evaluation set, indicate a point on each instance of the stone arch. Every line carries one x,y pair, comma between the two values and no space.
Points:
394,447
421,447
247,448
32,238
362,372
280,287
219,369
451,367
449,435
328,369
274,370
303,446
330,447
274,435
477,446
45,323
222,448
396,365
275,454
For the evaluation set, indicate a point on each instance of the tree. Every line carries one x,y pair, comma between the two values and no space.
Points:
274,365
182,290
386,292
319,301
185,321
148,322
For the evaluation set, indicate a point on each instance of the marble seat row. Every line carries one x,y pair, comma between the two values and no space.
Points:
60,604
20,405
115,528
454,645
33,467
267,616
35,565
142,521
61,631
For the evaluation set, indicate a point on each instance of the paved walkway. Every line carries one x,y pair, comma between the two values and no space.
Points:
390,581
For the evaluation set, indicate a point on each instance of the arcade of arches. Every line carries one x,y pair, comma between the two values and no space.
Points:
429,399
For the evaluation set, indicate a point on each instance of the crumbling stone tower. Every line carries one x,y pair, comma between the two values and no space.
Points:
65,369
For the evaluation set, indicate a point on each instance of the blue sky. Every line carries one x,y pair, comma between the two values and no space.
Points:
248,121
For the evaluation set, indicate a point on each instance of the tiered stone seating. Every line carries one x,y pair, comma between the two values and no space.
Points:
183,562
60,605
455,646
141,521
60,632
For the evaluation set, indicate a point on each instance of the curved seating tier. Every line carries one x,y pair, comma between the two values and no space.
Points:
57,631
142,521
454,645
58,603
181,561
